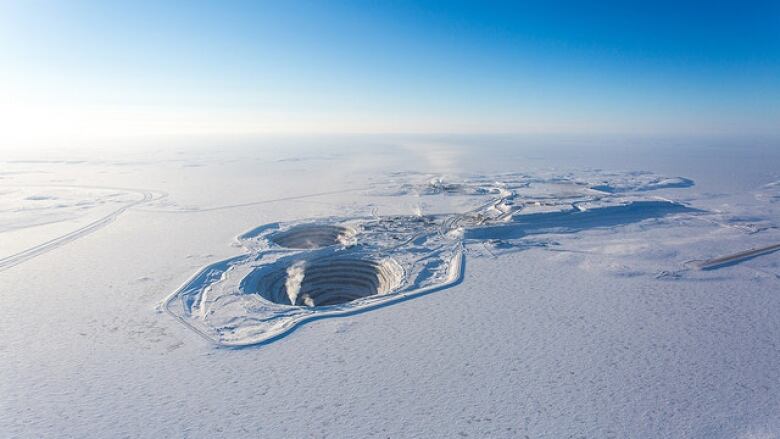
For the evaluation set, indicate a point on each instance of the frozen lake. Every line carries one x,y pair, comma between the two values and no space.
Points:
392,287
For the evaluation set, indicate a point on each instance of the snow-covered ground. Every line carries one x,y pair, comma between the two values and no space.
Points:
392,287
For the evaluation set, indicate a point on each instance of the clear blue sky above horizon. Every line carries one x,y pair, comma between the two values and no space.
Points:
105,68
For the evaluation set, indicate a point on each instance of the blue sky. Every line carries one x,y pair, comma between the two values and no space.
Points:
115,68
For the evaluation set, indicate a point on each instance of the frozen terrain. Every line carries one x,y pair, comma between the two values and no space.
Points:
392,287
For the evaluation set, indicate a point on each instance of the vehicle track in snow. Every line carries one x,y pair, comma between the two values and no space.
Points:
37,250
254,203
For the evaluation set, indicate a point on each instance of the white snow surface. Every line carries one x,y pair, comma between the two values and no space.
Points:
355,287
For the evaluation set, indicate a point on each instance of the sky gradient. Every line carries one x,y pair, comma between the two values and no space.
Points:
86,69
